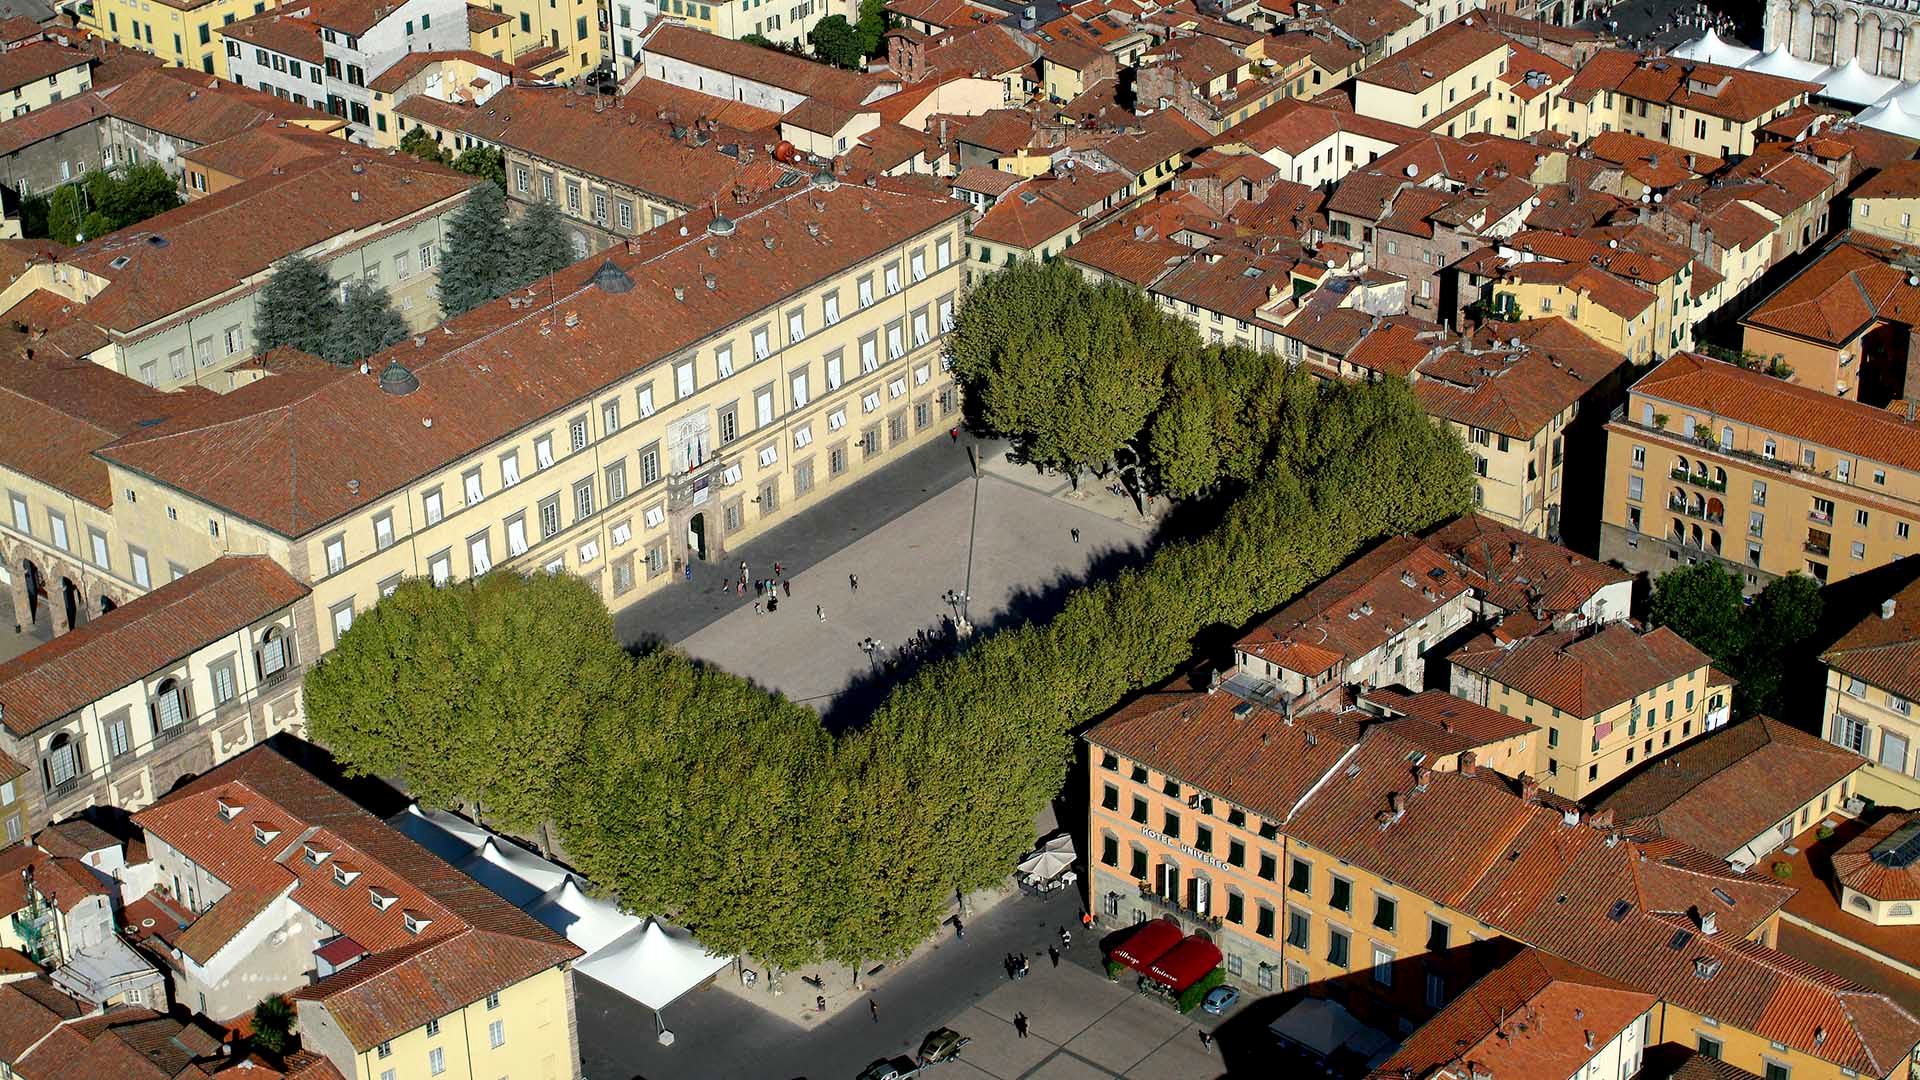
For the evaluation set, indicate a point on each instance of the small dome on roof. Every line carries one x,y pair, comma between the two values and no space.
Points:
397,380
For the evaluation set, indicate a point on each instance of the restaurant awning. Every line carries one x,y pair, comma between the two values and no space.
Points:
1147,944
1185,963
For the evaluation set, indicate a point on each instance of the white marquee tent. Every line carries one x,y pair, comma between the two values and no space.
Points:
1711,48
1786,65
641,958
1849,82
1895,105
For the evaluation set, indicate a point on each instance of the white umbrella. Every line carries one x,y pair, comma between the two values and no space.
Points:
1053,858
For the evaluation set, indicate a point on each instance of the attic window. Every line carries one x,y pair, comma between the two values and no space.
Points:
315,856
415,923
1723,896
1620,909
119,262
229,810
1679,939
263,835
382,899
342,876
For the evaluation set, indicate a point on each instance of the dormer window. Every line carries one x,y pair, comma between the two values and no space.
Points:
382,899
264,835
415,922
229,810
315,856
343,876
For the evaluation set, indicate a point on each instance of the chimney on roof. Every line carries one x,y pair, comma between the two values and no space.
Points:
1513,551
1887,607
1529,787
1469,763
1601,819
680,293
1422,776
1589,1040
1709,924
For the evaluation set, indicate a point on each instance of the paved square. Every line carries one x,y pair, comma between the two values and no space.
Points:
1023,548
1069,1002
997,1048
1127,1035
1068,1067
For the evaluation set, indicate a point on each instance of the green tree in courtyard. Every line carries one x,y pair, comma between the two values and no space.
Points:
1756,644
296,307
273,1021
421,144
365,324
484,162
538,240
477,263
836,41
872,26
1702,603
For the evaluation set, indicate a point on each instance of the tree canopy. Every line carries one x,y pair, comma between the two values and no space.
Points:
539,242
421,144
100,202
835,40
477,263
365,324
296,307
485,162
1753,643
872,26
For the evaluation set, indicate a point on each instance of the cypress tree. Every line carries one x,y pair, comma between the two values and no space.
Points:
476,266
538,240
366,324
296,307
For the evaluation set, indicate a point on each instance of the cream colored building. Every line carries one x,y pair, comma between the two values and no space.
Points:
1710,461
181,32
1873,679
1607,697
694,399
35,75
1698,107
171,301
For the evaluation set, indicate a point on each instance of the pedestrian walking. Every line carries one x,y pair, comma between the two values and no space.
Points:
1066,939
1206,1040
819,613
773,603
689,571
1020,1023
1086,920
786,586
1076,535
1053,954
959,929
1007,962
874,1008
853,582
756,607
955,433
820,1003
776,569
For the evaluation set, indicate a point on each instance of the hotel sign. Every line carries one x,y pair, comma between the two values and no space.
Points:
1191,852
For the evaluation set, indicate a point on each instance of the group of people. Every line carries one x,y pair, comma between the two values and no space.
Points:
767,590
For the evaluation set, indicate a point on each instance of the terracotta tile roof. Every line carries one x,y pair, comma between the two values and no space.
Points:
140,637
277,32
467,942
684,106
1441,723
1649,161
1584,671
946,14
985,51
1719,389
1622,298
1849,286
1197,57
200,108
36,61
1290,210
243,451
480,20
74,839
1697,87
1812,860
1898,180
1884,652
1515,392
1003,131
748,61
1361,607
1028,216
1515,569
1370,21
1531,73
1232,277
263,150
355,192
1535,1015
127,1043
19,28
1451,49
56,411
1719,792
29,1010
415,62
1883,861
634,148
62,116
1394,348
1571,208
990,182
67,882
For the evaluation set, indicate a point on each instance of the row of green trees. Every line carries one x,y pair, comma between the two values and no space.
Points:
688,792
99,203
484,258
1085,376
850,44
481,161
1758,644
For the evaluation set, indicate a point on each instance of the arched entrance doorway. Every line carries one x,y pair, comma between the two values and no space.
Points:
697,537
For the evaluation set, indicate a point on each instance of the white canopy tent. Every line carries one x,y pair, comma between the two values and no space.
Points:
1781,62
1849,82
1888,116
642,958
1054,858
1711,48
1907,97
652,964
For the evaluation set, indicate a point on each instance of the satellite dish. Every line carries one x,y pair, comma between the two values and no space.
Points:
1412,170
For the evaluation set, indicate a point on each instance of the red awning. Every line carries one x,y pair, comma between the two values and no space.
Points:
1147,944
341,951
1185,963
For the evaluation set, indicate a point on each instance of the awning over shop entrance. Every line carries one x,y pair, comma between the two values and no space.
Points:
1185,963
1147,944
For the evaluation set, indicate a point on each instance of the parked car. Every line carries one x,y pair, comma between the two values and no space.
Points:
1220,999
942,1044
893,1068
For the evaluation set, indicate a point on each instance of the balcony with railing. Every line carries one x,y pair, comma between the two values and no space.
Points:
1705,510
1699,479
1174,906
